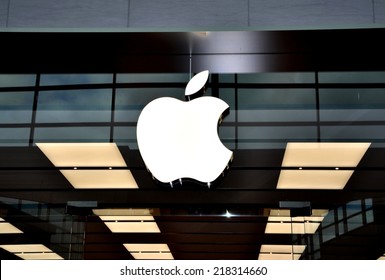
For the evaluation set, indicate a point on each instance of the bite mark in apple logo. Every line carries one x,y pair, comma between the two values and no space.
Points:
179,140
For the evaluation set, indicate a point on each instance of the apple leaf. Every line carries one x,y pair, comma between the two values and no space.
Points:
197,82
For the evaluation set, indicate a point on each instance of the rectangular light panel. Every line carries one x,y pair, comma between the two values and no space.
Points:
100,179
83,154
332,155
31,251
152,256
133,227
382,258
90,155
284,257
324,154
147,247
123,212
7,228
314,179
273,248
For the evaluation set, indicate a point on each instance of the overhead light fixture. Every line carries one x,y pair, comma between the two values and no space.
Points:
149,251
31,251
322,155
281,252
7,228
128,220
280,222
88,155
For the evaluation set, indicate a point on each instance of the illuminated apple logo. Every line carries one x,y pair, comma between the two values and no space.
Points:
179,140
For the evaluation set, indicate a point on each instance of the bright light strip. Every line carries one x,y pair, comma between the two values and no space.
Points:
31,251
39,256
382,258
90,155
287,249
100,179
269,257
123,212
333,155
147,247
324,154
83,154
152,256
280,223
314,179
126,218
7,228
133,227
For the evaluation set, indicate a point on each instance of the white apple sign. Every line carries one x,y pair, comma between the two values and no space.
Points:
180,139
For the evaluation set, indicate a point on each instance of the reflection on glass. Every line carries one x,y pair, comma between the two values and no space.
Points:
352,77
272,105
16,107
228,95
152,78
72,134
74,79
74,106
283,77
17,80
14,136
130,102
125,135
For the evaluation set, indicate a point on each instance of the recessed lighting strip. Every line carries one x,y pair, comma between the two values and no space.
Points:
280,222
320,165
103,160
135,221
281,252
8,228
32,251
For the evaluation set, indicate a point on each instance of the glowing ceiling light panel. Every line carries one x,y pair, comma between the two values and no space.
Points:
281,252
7,228
180,140
90,155
32,251
149,251
322,155
280,224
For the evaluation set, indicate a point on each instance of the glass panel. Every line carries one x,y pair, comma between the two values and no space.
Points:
74,79
72,134
352,104
92,105
16,107
251,136
353,208
227,136
226,78
14,136
295,77
355,222
130,102
370,133
369,216
352,77
126,135
12,80
228,95
272,105
153,78
328,233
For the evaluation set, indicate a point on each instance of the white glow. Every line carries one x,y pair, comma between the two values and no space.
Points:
31,251
314,179
180,139
83,154
197,82
126,218
133,227
7,228
100,179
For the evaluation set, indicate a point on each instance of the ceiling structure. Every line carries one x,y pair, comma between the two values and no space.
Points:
308,105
